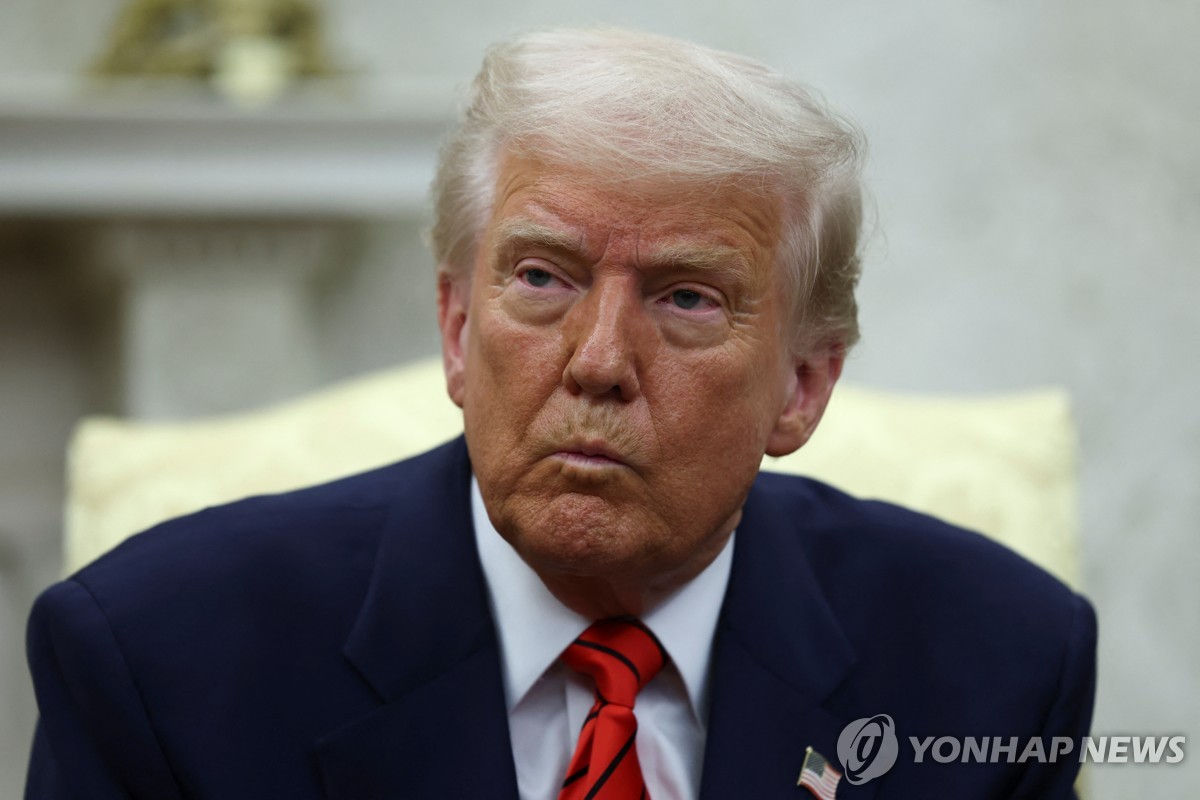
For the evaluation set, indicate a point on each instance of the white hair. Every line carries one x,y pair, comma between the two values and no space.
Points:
630,107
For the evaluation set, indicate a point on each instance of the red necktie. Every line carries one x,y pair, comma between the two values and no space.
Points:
621,655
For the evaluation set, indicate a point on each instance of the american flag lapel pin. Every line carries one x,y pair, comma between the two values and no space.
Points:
818,776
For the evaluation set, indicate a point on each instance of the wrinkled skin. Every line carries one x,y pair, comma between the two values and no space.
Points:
621,360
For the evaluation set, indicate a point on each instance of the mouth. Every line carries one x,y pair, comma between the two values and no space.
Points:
591,454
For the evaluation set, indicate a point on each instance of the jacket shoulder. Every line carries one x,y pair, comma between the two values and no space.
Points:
315,544
905,582
889,543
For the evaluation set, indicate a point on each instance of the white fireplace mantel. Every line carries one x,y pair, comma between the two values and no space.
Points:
180,150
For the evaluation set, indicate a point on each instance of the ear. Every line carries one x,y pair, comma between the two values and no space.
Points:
453,302
810,385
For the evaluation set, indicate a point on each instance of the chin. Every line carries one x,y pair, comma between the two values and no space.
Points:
580,534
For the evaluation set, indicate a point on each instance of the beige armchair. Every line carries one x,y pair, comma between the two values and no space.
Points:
1001,465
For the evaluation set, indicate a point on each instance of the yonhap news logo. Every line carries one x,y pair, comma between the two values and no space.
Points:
869,747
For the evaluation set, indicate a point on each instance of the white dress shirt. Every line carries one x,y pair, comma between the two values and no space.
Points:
547,701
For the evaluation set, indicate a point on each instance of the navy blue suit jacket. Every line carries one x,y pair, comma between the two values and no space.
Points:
337,642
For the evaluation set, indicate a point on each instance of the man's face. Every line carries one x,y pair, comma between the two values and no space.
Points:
621,363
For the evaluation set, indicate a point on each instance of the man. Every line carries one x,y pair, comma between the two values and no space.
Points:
647,258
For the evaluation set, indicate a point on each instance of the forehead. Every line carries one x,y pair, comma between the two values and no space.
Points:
567,208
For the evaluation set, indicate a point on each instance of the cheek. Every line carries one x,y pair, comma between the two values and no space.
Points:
722,408
511,368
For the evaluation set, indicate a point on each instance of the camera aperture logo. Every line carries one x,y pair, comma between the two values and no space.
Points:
868,748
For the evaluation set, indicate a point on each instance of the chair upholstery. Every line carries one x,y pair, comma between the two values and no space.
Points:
1002,465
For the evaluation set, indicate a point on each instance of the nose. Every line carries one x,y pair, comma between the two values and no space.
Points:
603,331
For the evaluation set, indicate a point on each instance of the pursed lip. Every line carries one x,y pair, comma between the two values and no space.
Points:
595,452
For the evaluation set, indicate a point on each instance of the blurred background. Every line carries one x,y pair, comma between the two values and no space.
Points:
209,205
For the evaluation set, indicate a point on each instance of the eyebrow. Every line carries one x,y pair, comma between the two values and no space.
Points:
520,232
698,258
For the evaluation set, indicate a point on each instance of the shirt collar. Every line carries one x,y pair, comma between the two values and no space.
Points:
534,627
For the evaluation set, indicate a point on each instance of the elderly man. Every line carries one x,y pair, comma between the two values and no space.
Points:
647,258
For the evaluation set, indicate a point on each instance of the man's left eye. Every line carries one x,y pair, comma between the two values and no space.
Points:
686,298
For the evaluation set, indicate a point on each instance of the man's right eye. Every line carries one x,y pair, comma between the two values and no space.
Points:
537,277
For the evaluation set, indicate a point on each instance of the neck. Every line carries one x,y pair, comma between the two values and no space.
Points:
625,592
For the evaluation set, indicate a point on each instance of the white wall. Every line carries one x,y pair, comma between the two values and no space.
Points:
1037,187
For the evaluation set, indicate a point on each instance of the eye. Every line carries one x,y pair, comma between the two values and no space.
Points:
686,298
537,277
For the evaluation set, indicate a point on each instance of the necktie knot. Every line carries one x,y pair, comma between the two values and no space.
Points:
621,655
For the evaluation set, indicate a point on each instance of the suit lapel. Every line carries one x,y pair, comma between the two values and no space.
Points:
425,643
778,656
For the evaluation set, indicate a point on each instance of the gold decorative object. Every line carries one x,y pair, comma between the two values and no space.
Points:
250,50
